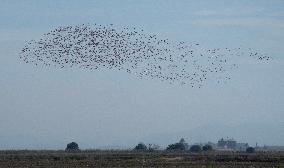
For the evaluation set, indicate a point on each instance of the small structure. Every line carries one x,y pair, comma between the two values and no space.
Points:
242,146
227,144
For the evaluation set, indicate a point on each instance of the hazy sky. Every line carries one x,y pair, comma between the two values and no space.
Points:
44,107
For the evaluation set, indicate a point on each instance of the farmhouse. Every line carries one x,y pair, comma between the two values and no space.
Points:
231,144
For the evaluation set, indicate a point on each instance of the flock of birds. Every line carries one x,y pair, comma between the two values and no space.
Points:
133,51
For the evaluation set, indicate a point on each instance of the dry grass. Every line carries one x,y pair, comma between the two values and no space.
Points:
104,159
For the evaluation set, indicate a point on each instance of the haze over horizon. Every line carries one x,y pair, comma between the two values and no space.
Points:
47,107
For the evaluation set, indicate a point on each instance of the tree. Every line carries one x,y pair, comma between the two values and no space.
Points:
181,145
182,141
73,146
207,148
250,150
141,147
195,148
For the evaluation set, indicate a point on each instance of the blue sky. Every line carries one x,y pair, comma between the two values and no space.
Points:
48,107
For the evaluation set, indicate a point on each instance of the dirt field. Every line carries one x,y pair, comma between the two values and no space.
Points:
87,159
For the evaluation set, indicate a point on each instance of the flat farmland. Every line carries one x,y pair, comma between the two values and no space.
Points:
86,159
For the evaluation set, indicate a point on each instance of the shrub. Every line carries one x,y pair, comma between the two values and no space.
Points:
181,145
250,150
195,148
153,147
176,146
141,147
207,148
73,146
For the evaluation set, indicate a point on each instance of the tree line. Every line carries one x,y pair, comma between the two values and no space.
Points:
178,146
